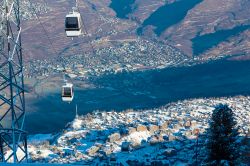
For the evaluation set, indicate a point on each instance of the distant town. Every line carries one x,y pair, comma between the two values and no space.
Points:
126,56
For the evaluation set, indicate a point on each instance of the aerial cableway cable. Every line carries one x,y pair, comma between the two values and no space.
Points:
86,32
75,26
47,35
45,31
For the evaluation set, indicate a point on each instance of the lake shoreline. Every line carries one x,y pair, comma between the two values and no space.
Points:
141,90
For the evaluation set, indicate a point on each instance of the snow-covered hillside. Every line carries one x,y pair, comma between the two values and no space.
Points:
166,135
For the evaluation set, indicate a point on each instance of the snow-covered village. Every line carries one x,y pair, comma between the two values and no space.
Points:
174,134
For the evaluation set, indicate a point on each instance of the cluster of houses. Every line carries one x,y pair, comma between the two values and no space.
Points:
27,9
170,135
139,54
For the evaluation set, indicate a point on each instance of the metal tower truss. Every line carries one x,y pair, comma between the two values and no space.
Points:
13,138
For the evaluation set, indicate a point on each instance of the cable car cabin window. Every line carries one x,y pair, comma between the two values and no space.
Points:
72,23
67,92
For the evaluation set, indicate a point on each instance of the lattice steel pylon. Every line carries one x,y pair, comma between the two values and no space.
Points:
13,137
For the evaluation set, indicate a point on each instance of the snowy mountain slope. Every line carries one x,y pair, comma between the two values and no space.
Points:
166,135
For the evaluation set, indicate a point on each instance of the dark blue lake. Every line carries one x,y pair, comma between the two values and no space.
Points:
168,15
204,42
122,7
141,90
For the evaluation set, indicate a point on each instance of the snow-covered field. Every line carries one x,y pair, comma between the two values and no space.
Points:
166,135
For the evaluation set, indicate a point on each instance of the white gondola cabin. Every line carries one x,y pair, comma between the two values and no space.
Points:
73,24
67,92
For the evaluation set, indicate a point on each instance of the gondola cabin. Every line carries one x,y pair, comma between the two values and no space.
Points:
67,92
73,24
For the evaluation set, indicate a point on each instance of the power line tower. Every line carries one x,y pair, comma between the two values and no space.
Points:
13,138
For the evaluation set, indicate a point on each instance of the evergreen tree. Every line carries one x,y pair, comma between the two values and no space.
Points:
222,136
